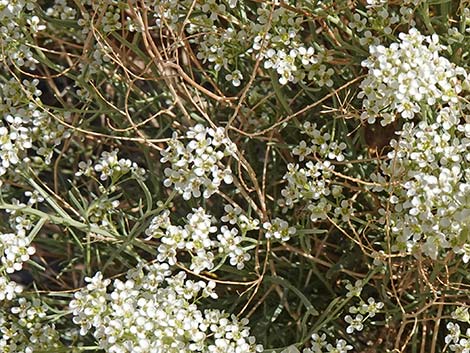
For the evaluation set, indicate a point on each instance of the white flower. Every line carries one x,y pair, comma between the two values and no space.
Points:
341,347
461,314
15,249
454,333
371,308
318,342
238,257
8,289
354,323
354,290
236,77
231,214
278,229
302,150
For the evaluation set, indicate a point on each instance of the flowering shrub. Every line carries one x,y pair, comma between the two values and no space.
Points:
234,176
194,164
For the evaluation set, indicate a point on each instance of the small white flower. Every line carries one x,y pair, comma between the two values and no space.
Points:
341,347
231,214
354,323
371,308
278,229
354,290
236,77
8,289
302,150
454,333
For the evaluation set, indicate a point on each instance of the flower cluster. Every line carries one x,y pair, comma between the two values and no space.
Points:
13,142
166,12
278,229
8,289
458,341
109,170
154,311
25,127
195,165
195,238
430,193
17,24
60,9
278,42
275,38
109,165
221,50
319,344
313,182
408,77
25,328
298,65
15,247
235,215
320,144
363,312
380,19
99,212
